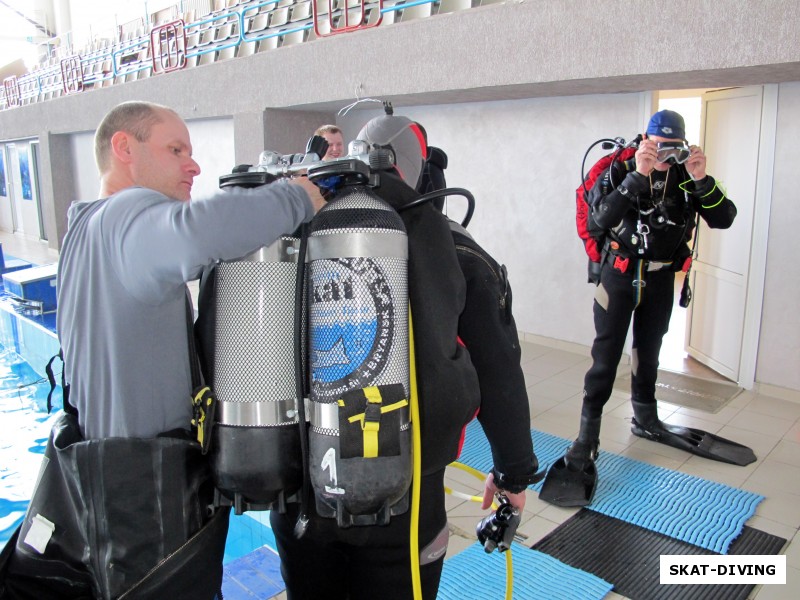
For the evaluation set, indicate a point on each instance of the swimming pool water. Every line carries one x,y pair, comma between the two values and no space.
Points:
26,426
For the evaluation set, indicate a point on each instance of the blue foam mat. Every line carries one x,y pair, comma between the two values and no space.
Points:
255,575
475,575
694,510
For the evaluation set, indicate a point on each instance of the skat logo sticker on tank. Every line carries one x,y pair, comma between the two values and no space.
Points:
329,462
352,324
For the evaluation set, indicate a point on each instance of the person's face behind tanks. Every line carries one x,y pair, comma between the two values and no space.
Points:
335,145
164,162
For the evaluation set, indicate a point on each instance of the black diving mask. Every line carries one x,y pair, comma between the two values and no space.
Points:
673,153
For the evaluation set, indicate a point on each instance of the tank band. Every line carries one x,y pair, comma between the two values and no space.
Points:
357,245
285,249
257,414
325,415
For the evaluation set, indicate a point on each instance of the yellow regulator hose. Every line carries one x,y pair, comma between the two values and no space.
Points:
416,452
463,496
416,481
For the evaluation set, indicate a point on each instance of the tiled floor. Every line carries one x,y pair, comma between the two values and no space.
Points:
33,251
771,426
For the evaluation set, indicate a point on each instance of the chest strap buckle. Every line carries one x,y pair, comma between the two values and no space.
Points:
621,264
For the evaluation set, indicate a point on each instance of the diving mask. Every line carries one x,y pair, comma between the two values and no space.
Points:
673,153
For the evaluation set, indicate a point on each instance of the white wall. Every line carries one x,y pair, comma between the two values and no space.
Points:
212,142
213,145
779,346
521,160
84,169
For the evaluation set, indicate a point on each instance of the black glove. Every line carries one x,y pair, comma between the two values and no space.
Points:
318,145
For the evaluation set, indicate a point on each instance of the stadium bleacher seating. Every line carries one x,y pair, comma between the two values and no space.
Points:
229,29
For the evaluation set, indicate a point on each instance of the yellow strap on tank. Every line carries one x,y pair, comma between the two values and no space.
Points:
371,428
201,401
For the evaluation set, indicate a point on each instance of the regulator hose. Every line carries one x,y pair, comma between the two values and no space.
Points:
441,194
463,496
299,344
608,143
586,154
416,454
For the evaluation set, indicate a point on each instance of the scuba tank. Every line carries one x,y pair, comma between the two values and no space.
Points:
255,446
354,314
360,436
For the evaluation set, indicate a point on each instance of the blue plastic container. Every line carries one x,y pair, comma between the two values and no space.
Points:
37,284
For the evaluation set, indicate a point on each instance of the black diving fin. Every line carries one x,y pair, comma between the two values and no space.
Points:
570,482
696,441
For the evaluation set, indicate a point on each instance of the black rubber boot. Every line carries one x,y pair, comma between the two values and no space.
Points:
584,449
645,414
572,479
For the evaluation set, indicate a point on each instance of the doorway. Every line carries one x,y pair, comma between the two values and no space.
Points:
24,212
720,329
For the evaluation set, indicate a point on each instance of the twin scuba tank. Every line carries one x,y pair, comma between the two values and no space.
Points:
320,319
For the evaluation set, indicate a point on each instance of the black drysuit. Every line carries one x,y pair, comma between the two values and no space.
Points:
456,292
648,223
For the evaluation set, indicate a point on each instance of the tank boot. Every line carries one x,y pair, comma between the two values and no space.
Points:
572,479
647,425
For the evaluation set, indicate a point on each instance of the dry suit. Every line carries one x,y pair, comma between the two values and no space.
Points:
467,357
648,223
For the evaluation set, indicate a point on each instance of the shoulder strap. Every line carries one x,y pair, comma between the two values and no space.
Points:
194,361
68,408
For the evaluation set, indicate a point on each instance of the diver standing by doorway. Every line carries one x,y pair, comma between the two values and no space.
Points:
644,208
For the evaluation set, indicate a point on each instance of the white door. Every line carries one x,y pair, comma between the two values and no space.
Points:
727,276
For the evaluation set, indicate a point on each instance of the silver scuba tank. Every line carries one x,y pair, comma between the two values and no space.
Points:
256,456
360,436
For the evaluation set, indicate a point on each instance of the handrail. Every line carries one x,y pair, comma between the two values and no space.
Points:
173,35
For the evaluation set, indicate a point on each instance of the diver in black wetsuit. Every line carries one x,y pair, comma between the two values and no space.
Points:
648,220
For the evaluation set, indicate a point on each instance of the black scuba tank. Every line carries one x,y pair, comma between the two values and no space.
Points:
360,436
256,457
255,452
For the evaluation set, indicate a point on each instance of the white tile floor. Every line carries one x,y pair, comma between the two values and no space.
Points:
771,426
21,247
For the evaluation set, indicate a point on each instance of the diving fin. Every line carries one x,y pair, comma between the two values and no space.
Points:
571,481
696,441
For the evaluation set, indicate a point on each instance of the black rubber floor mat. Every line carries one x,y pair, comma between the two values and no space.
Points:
628,556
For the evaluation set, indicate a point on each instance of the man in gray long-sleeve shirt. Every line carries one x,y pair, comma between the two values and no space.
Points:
125,261
126,491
